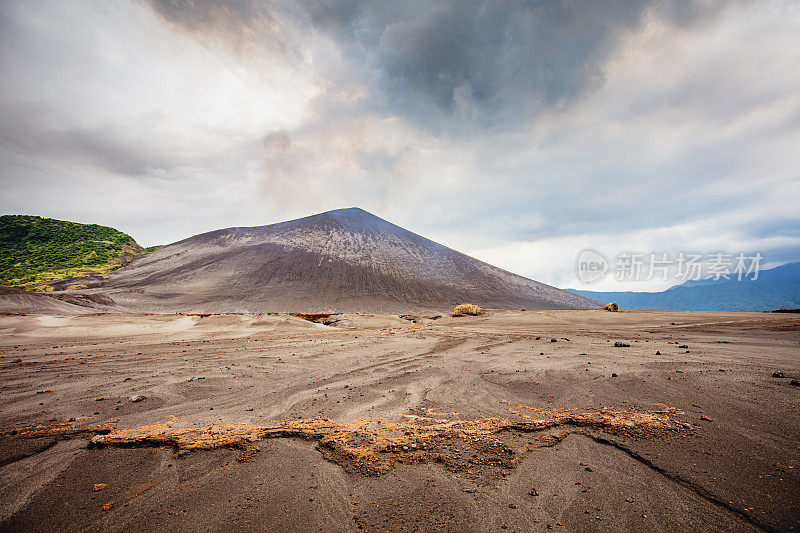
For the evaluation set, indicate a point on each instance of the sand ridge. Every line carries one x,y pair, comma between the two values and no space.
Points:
373,447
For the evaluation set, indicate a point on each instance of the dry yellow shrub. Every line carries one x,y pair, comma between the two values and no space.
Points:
467,309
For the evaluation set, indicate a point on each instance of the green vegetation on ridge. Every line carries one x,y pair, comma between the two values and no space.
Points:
35,249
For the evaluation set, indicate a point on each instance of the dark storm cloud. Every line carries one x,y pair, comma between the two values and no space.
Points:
235,21
457,63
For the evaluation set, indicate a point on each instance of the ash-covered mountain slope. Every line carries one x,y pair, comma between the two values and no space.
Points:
346,260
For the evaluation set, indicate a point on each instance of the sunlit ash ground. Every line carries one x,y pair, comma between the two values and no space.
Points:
514,420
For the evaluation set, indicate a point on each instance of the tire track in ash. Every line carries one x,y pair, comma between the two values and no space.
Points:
385,384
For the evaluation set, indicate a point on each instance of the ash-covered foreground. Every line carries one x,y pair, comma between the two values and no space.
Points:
516,420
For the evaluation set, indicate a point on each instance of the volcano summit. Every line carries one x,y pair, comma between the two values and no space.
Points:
346,260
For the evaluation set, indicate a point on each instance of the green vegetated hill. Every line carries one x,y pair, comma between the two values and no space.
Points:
34,250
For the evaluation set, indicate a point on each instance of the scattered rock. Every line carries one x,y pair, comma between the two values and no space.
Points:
108,506
613,374
778,375
97,487
533,492
553,340
704,417
512,505
795,382
658,353
127,379
136,398
620,344
683,346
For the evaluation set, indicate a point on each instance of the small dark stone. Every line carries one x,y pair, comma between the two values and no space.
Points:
683,346
620,344
553,340
778,375
533,492
613,374
795,382
658,353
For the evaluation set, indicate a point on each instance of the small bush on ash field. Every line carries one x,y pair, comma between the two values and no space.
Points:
467,309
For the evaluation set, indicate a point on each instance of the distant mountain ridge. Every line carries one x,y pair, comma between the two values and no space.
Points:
337,261
774,288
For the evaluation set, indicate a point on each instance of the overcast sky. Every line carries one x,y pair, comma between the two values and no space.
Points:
518,132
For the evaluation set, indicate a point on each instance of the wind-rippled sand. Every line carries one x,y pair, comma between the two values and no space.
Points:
515,420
